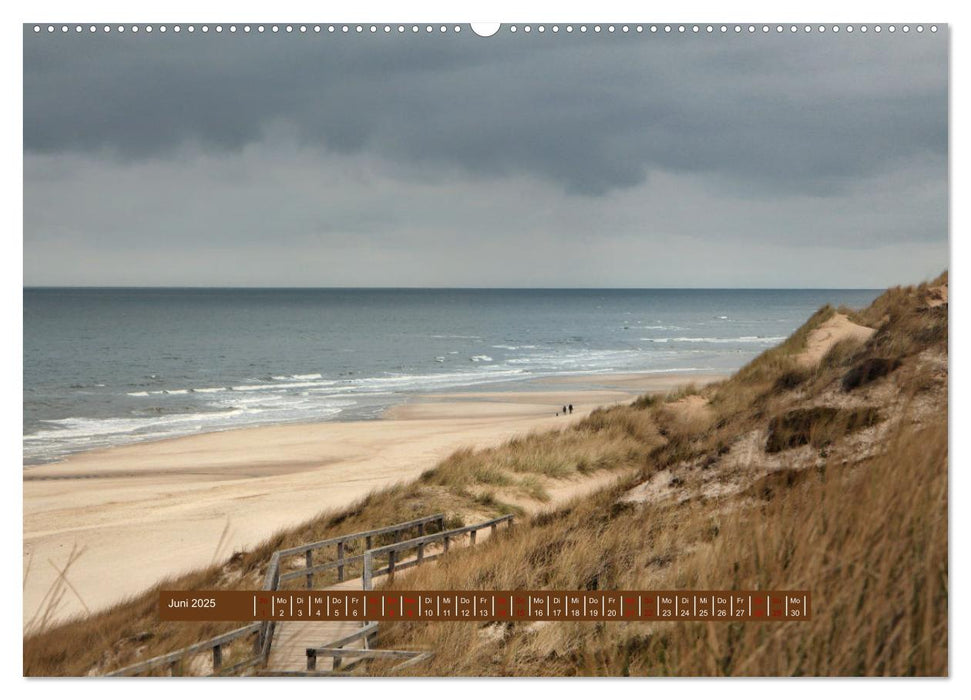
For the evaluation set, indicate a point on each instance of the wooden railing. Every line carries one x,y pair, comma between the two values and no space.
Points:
411,656
368,630
344,543
338,652
263,631
214,645
274,577
271,582
395,562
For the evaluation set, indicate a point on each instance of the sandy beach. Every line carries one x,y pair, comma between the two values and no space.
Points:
146,511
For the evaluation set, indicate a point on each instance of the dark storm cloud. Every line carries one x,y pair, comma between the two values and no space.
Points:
757,114
444,160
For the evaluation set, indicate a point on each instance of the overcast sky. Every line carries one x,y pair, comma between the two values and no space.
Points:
637,160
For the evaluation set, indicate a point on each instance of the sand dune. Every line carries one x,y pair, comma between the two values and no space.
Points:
145,511
829,333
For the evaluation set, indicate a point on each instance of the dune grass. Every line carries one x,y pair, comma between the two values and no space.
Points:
867,536
466,486
869,542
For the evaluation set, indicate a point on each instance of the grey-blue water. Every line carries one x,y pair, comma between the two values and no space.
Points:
110,366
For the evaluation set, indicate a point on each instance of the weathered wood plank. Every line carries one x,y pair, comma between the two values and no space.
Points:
301,673
175,656
424,656
402,565
368,630
367,576
369,653
318,568
272,578
300,549
445,536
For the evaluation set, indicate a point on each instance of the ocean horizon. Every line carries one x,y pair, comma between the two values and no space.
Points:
106,366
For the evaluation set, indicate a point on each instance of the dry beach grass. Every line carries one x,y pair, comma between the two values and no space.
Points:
786,475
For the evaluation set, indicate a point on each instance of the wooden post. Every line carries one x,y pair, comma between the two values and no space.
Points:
310,562
267,641
367,542
391,558
311,659
494,526
445,544
217,657
337,662
472,538
340,559
366,576
441,524
421,545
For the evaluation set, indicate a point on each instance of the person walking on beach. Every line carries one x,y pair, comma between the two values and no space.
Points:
564,410
571,409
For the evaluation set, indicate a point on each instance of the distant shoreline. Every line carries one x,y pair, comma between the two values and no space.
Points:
186,362
526,386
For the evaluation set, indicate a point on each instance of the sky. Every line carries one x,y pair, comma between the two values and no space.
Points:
518,160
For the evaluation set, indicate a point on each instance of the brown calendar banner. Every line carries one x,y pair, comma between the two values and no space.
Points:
438,606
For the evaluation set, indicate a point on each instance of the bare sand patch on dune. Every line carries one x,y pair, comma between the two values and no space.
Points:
828,334
937,296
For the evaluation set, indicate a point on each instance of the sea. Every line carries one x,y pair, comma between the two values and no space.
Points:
111,366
